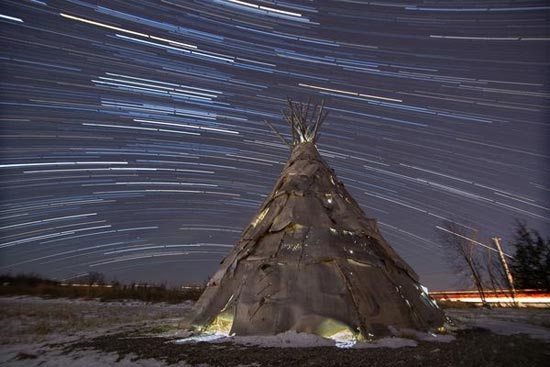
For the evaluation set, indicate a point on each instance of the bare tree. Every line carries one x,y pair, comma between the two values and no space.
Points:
460,243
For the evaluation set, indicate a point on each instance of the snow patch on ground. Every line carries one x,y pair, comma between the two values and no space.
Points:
292,339
506,321
33,319
31,324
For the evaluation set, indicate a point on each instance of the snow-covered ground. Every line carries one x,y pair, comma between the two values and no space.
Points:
506,321
34,319
291,339
33,328
39,355
30,324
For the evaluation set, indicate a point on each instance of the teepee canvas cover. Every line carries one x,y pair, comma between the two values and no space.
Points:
311,261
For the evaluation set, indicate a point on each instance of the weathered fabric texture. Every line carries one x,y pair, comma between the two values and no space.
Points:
311,259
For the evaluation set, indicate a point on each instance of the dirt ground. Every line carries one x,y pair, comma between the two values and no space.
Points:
82,333
476,347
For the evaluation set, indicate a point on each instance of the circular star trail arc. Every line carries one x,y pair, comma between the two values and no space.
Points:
134,141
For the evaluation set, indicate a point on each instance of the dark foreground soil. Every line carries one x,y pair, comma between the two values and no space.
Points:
473,347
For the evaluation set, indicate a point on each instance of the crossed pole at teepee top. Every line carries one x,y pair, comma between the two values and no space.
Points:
303,122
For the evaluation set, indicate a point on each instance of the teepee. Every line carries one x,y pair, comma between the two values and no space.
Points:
311,261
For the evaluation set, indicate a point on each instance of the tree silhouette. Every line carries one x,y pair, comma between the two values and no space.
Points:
531,264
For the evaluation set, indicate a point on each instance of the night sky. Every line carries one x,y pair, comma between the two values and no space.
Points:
134,143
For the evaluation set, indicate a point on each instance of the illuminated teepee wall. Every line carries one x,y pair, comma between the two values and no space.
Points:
311,261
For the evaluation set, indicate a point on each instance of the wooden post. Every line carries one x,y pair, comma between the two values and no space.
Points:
509,277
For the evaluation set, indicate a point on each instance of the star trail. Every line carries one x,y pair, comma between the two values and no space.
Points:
134,140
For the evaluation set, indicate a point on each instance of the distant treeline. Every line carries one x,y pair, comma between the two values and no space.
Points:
35,285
